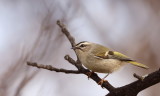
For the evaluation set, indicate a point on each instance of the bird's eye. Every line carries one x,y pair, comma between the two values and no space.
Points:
83,45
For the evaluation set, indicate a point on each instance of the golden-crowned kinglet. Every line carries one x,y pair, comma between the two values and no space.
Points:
100,59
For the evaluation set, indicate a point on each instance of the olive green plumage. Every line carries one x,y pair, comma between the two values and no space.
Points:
101,59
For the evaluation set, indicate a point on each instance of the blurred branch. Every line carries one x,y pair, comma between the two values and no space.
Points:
24,82
131,89
77,63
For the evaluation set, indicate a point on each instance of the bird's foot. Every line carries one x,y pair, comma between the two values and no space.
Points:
101,82
89,74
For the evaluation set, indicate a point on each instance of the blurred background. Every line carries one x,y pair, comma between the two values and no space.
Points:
28,32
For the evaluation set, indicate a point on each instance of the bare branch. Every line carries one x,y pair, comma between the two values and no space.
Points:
78,64
66,32
94,76
131,89
49,67
138,77
69,59
134,88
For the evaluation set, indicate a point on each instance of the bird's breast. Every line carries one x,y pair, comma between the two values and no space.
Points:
102,65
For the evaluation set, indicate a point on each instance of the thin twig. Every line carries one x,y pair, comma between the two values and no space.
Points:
66,32
70,60
78,64
131,89
138,77
49,67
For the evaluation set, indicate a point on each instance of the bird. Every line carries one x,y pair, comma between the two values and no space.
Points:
101,59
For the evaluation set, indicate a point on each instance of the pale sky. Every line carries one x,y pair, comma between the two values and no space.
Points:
20,22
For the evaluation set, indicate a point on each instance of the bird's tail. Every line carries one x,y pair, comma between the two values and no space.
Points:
138,64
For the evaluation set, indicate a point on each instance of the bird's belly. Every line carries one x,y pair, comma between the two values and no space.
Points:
104,66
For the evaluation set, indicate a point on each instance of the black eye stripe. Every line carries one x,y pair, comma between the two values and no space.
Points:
82,45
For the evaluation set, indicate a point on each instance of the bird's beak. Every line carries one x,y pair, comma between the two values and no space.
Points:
74,48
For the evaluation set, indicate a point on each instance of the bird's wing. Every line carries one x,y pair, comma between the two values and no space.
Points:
123,57
113,55
101,55
119,56
101,52
104,53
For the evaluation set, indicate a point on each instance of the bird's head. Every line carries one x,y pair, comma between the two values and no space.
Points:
83,46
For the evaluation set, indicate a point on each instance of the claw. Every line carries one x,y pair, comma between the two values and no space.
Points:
101,82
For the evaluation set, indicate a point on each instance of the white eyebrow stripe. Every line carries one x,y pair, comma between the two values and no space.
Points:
85,43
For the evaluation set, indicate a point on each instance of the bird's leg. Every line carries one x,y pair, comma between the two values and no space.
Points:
102,80
89,74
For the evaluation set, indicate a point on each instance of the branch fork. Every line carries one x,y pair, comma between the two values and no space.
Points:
131,89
